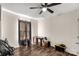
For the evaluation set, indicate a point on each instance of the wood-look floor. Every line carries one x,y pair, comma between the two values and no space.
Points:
39,51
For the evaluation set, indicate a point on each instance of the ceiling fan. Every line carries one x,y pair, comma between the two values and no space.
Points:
45,7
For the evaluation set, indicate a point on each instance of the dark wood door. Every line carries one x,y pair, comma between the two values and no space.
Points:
24,32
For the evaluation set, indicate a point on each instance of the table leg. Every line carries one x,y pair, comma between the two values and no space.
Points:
40,42
36,41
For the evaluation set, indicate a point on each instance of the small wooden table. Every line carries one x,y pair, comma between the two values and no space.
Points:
37,39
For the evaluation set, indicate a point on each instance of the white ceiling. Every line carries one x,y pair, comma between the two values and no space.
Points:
23,8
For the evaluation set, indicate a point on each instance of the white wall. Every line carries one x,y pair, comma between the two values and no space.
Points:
9,27
61,29
34,26
0,21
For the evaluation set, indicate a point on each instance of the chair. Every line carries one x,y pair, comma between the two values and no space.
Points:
5,48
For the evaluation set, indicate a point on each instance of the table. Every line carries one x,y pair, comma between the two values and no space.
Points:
36,38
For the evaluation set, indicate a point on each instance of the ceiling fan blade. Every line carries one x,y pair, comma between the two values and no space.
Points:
50,10
35,7
40,12
42,5
53,4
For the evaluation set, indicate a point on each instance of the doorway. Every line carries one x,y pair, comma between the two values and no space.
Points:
24,33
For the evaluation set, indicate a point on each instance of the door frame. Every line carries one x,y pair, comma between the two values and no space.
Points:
19,30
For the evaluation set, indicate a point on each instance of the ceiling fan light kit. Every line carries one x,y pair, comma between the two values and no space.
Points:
44,9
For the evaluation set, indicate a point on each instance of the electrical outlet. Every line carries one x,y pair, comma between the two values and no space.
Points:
77,42
78,19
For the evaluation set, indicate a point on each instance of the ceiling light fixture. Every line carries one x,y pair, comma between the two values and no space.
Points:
44,9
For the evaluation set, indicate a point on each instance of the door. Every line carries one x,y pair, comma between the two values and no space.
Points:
24,32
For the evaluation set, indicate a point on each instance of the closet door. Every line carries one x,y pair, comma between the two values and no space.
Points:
24,32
